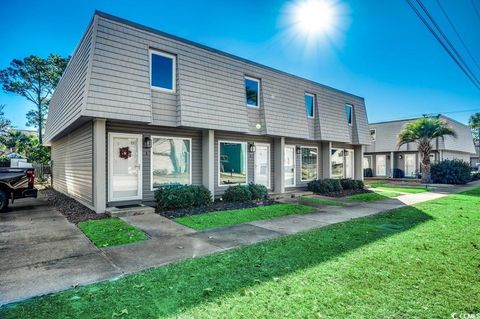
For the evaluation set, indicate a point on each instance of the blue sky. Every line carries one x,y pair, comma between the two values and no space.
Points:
380,50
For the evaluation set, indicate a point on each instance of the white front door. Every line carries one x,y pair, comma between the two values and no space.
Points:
124,167
289,165
410,165
381,165
262,164
349,167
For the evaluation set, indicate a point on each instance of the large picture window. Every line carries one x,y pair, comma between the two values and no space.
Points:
162,71
171,161
232,163
309,163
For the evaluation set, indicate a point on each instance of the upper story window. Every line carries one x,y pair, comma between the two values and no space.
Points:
373,134
310,105
162,71
348,112
252,92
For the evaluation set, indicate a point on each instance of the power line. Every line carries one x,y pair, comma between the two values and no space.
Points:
458,34
458,60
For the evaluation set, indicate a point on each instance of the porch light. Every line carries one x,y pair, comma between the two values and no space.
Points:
147,142
251,148
298,150
400,156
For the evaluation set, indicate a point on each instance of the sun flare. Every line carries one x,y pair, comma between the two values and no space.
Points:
315,16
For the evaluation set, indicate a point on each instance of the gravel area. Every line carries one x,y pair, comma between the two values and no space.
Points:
70,208
216,206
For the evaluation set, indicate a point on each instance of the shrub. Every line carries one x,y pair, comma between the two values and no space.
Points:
237,193
259,192
476,176
451,172
367,172
318,186
177,196
335,185
398,173
359,184
348,183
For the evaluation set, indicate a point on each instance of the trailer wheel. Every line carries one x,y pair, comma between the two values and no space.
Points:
3,201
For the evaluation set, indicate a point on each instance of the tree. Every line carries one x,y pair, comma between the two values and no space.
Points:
5,123
422,131
35,79
474,123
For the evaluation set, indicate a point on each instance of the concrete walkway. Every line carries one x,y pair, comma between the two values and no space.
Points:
42,253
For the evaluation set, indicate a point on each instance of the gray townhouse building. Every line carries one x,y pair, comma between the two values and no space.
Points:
137,108
384,156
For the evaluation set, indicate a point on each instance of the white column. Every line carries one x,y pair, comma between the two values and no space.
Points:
392,163
208,160
358,161
279,165
99,165
326,160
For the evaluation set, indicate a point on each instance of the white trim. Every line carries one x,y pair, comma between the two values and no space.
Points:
405,164
313,106
269,164
151,156
301,163
351,113
376,164
258,93
294,166
111,135
174,67
218,162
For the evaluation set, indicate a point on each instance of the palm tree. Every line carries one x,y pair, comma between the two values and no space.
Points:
422,131
474,123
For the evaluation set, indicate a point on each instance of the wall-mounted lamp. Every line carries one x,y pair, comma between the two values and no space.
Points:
299,150
251,148
147,142
400,156
388,156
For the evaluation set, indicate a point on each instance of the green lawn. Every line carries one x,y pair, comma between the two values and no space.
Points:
374,196
111,232
413,262
239,216
401,189
321,201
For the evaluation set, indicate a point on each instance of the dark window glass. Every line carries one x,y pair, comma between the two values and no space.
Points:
348,111
162,71
251,91
309,104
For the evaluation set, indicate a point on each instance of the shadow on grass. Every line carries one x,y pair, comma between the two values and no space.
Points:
167,291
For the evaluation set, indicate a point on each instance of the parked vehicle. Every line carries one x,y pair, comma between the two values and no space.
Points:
16,183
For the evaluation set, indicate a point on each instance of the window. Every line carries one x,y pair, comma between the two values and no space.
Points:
309,163
162,71
252,92
381,165
342,163
310,104
373,134
348,111
232,163
171,161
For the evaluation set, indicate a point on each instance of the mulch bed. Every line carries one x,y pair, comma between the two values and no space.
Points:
70,208
215,207
346,193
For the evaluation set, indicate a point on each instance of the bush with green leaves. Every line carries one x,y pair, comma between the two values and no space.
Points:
237,193
259,192
335,185
177,196
324,186
359,184
451,172
476,176
348,183
319,186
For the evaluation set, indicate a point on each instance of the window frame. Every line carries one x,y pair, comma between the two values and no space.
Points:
218,162
174,70
374,135
246,77
349,120
313,106
301,163
152,137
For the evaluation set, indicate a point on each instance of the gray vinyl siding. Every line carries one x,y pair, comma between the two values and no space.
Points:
149,130
235,137
72,168
69,98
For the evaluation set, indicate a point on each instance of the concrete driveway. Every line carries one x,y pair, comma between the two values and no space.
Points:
41,252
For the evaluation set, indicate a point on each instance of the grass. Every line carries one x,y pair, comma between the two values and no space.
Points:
111,232
321,201
374,196
239,216
401,189
413,262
